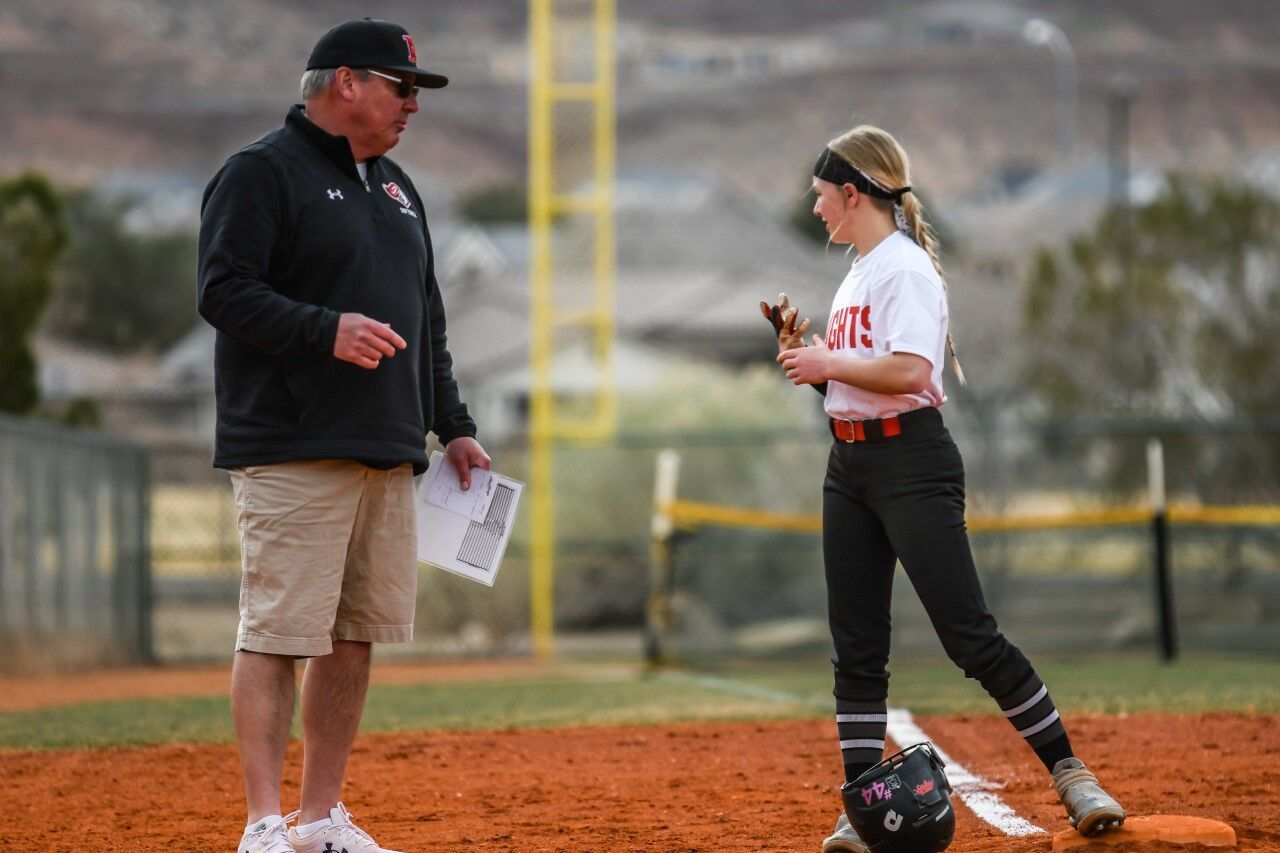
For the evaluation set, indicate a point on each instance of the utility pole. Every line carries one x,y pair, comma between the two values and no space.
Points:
1044,33
1119,101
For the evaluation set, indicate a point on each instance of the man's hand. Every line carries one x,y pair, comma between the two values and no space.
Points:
807,365
783,317
465,453
364,341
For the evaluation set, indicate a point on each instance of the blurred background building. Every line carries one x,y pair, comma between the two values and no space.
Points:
1029,124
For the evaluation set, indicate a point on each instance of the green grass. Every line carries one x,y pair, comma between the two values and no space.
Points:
467,705
1099,685
752,692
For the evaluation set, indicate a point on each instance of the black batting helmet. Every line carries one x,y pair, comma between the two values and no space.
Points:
903,804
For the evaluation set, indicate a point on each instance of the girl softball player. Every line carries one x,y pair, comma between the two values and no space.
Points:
894,487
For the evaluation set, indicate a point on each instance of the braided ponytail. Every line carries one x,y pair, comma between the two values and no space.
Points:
881,158
926,238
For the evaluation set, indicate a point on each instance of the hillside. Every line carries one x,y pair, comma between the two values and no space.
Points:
140,85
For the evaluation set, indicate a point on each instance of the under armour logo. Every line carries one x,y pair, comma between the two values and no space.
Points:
334,195
329,848
892,821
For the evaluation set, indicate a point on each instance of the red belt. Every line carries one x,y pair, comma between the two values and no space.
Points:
851,431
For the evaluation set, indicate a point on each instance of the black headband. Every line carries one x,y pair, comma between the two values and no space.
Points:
839,171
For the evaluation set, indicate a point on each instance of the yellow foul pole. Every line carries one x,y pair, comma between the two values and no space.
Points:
542,512
557,59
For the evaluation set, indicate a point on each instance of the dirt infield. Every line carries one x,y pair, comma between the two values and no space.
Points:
689,787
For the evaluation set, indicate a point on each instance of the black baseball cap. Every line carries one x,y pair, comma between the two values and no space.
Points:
370,43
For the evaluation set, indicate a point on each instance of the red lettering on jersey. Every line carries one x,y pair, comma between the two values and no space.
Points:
842,332
413,51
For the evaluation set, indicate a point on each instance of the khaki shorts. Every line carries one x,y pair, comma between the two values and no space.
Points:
329,552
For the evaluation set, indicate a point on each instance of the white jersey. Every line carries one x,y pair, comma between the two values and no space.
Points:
891,301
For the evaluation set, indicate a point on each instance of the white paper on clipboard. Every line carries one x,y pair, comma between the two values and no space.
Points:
465,532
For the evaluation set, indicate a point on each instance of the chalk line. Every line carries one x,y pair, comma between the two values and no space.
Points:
974,791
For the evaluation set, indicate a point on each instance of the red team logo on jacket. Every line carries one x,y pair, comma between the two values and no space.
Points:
413,51
397,195
841,328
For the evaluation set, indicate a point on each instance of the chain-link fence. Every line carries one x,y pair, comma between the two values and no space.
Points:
763,590
76,538
601,560
196,554
1055,587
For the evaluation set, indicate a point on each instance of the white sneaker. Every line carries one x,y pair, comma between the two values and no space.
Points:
268,836
341,836
1089,808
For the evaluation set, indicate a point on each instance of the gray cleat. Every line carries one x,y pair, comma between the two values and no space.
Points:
1089,808
845,839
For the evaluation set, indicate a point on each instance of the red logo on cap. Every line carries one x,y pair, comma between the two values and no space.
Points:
413,51
398,195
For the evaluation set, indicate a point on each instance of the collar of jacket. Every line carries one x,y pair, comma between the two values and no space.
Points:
336,148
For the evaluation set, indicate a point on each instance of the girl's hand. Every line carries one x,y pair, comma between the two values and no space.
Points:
807,365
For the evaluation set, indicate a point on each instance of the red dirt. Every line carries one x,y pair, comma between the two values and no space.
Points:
690,787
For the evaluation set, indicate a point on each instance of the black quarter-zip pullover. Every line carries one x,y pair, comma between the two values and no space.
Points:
290,239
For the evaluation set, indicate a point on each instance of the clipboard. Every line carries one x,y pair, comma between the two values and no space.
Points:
465,532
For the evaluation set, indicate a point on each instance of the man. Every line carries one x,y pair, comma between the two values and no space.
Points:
331,364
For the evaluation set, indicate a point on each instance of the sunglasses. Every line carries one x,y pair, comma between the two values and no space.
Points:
404,88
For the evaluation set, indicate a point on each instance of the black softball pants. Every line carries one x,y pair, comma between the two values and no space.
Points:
902,498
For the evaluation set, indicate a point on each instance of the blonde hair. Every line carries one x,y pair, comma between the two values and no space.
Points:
879,156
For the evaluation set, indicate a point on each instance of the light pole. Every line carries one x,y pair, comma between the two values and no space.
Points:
1044,33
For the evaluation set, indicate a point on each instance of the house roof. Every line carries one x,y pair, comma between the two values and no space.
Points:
69,370
1048,209
693,261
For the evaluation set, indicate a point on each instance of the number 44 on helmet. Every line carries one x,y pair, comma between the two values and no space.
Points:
903,804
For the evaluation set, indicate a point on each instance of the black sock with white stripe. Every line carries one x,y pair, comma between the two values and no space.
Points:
1034,716
861,726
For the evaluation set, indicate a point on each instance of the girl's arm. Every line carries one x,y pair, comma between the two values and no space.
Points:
896,373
